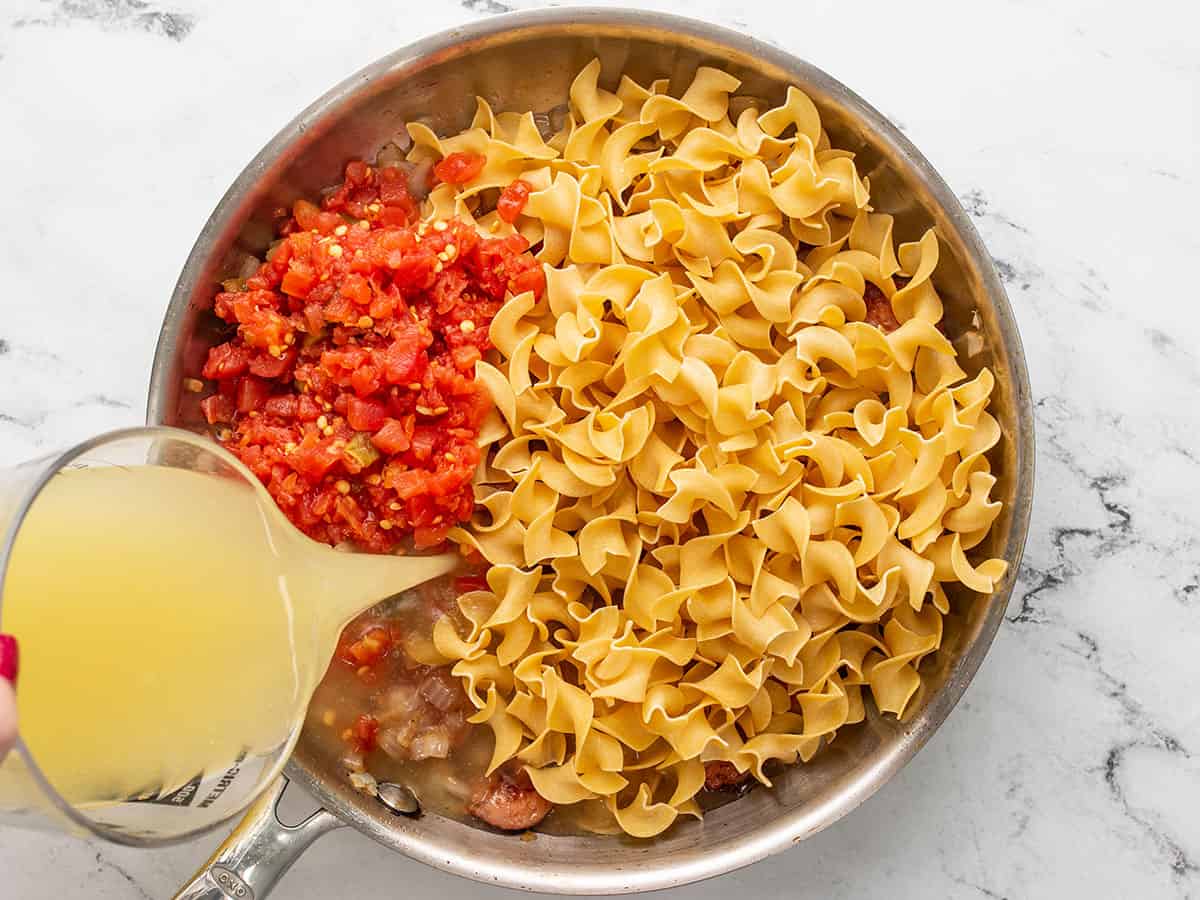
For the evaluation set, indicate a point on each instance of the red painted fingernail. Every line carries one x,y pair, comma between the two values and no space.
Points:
8,657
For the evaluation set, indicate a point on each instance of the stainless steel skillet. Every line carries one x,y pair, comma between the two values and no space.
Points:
525,61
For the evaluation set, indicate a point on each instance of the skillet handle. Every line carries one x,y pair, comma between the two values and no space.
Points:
258,852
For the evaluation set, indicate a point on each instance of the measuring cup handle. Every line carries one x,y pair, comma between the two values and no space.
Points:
258,852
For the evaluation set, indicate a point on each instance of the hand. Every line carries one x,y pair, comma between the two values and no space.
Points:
8,694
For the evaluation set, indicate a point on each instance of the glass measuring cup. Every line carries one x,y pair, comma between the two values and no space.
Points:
172,625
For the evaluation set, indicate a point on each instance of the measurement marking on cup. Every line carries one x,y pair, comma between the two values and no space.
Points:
229,884
226,780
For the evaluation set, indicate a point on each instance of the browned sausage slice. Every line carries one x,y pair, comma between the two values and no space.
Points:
508,801
720,775
879,309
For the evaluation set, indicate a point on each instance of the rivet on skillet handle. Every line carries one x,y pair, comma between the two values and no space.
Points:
399,799
258,852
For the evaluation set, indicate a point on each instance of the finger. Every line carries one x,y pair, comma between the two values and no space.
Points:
9,658
8,698
8,717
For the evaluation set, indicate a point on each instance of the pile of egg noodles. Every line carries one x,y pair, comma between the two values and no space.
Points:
719,507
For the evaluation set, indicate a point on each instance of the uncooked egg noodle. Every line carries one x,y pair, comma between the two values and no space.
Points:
720,507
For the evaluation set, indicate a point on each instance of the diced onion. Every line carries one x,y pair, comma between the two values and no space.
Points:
397,740
400,702
249,266
418,179
365,783
403,140
439,693
433,744
390,155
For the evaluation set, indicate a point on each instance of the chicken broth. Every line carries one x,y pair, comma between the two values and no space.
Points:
388,711
384,709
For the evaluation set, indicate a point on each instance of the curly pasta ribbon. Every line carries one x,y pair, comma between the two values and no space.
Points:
722,506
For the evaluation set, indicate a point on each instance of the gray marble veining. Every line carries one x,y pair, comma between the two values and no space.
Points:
1072,767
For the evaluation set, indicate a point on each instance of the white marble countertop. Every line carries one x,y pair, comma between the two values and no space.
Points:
1070,129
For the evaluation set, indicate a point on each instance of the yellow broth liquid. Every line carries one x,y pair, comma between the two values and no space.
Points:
170,622
442,786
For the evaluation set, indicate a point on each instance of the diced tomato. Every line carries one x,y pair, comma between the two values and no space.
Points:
364,733
466,583
365,414
283,407
218,408
394,216
341,361
466,356
426,536
513,199
460,168
226,361
413,271
424,442
368,649
356,327
407,484
365,380
308,409
357,171
299,279
265,329
313,458
391,437
529,280
401,359
265,365
400,208
314,318
252,393
357,289
311,217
